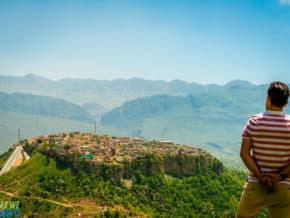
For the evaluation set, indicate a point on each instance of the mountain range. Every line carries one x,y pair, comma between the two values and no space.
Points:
107,93
209,116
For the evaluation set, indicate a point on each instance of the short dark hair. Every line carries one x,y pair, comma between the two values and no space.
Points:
278,93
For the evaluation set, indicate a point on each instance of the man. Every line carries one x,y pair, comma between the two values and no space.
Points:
265,151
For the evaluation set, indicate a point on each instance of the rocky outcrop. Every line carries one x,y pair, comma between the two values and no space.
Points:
178,166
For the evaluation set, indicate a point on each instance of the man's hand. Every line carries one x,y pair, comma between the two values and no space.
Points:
274,177
269,180
266,180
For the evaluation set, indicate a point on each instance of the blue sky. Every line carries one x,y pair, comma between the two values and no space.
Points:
205,41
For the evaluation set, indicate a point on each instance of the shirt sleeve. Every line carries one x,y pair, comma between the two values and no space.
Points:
246,133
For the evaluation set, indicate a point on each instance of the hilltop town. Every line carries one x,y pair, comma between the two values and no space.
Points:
108,149
115,157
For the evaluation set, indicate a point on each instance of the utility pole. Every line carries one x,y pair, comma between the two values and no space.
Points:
19,134
95,128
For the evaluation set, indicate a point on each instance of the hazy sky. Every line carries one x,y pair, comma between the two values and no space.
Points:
205,41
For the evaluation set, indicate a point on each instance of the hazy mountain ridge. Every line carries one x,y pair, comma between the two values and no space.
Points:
43,105
108,93
230,105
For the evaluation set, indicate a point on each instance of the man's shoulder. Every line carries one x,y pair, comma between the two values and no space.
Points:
257,116
267,117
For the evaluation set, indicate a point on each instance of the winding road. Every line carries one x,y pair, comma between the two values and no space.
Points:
13,157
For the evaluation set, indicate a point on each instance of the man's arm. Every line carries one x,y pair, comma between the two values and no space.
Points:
282,174
286,171
248,160
268,180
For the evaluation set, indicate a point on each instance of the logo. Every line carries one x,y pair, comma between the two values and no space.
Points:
9,209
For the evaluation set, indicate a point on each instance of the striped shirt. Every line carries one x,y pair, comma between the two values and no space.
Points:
270,135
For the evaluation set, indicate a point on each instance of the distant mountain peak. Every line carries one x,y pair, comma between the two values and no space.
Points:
241,83
32,76
29,75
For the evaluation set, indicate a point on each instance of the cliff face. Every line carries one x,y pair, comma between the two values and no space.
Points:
183,165
178,166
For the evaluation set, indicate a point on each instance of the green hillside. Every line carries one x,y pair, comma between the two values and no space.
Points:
47,188
43,105
34,125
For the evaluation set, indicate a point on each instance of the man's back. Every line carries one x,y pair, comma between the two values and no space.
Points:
265,150
270,135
